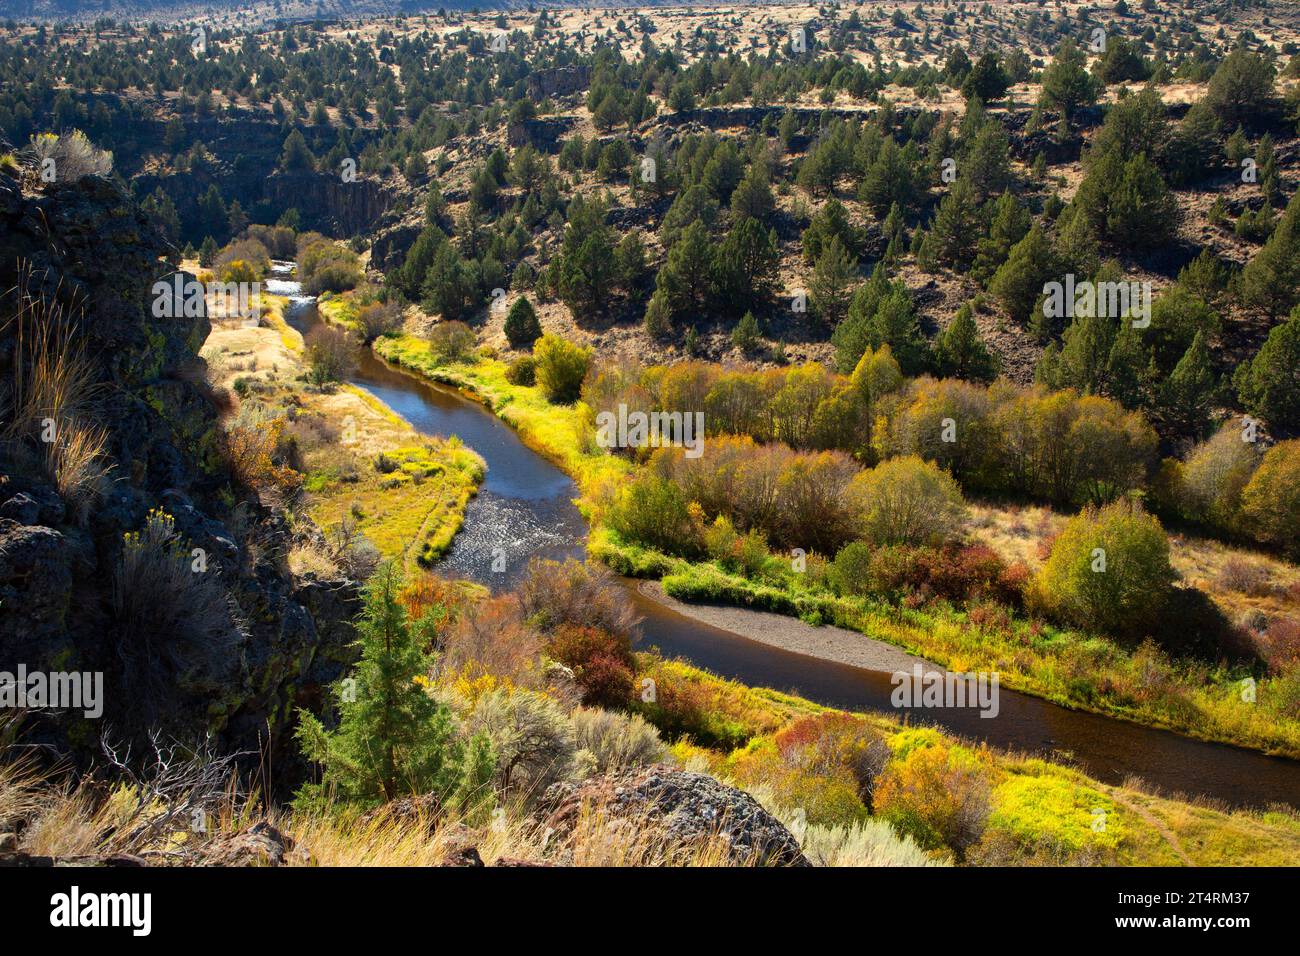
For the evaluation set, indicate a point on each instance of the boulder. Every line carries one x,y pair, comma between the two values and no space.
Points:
688,807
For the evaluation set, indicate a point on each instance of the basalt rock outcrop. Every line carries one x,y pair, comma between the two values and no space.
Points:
234,675
683,807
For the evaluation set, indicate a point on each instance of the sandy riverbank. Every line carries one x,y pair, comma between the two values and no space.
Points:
791,634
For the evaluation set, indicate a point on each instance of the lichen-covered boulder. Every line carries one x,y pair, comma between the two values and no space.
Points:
682,806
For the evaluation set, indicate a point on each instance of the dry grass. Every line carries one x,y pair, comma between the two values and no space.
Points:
50,397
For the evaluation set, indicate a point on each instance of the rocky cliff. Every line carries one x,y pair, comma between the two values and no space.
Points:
228,650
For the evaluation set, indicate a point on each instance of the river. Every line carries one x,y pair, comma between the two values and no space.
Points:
525,509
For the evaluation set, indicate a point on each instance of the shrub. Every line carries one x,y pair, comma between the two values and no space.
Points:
561,367
330,354
1108,570
653,511
602,662
327,266
522,371
252,446
171,624
572,592
451,341
738,553
908,501
1270,503
73,154
617,741
832,743
532,739
960,574
1050,820
379,318
1208,485
937,795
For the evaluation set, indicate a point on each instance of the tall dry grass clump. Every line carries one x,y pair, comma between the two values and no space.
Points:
47,398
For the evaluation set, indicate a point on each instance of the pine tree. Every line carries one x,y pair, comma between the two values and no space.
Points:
393,738
522,328
1269,385
1270,282
745,266
753,197
1010,223
891,179
449,288
956,226
1083,360
1067,84
1019,282
296,155
895,324
1126,368
1142,210
745,336
208,251
987,79
832,277
961,353
1187,396
687,276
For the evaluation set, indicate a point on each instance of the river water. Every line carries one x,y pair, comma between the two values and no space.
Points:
525,509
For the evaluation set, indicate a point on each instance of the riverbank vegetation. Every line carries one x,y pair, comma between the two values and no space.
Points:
891,550
376,488
497,699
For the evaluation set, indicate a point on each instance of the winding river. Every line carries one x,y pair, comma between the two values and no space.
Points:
524,509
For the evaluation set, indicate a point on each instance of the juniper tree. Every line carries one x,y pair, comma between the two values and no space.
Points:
1270,282
832,277
1269,385
1187,396
961,353
1019,281
393,737
522,328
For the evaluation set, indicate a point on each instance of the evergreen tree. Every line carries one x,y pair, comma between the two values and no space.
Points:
1241,92
1269,385
1142,210
1270,282
832,278
1010,223
753,197
1019,282
987,79
745,336
891,178
745,266
295,155
394,738
522,327
587,268
956,227
961,353
449,288
1187,396
686,279
1067,84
